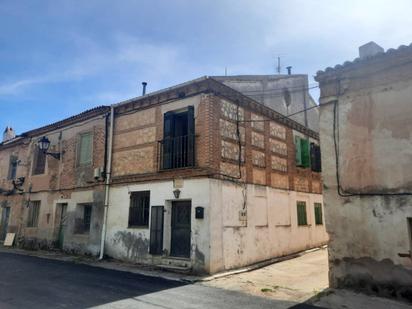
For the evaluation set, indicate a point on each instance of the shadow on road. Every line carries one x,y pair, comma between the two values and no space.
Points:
32,282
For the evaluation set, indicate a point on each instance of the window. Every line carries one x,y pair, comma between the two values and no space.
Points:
302,152
177,147
85,149
139,208
301,210
12,167
83,219
315,160
33,215
318,214
39,163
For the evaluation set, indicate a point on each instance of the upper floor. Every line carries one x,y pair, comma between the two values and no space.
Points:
73,150
199,128
205,128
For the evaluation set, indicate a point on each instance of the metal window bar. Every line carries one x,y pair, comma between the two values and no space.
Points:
177,152
139,208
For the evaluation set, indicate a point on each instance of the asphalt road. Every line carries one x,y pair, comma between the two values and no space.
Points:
31,282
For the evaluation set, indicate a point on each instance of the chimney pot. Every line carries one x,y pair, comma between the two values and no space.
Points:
144,88
8,134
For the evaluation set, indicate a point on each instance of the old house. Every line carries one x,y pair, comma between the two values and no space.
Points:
54,198
365,129
206,178
197,177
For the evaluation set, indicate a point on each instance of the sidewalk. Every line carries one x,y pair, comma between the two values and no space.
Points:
303,279
296,279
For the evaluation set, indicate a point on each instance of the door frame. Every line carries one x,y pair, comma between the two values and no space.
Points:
173,203
61,208
5,222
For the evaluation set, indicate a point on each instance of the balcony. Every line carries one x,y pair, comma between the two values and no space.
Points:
177,152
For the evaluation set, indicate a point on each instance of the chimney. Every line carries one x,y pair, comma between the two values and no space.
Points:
144,88
289,68
369,50
8,134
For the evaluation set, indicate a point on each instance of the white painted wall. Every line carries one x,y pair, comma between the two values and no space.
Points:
271,229
132,244
221,238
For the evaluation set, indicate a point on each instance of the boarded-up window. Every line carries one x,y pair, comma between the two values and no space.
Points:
318,214
39,163
33,215
139,208
12,167
85,149
301,212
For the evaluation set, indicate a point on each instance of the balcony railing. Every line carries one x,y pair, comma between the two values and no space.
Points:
177,152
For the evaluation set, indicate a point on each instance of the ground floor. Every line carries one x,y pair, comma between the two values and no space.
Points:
210,225
198,225
68,220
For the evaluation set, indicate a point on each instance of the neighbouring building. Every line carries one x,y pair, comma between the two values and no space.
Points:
206,178
366,133
196,177
287,94
55,201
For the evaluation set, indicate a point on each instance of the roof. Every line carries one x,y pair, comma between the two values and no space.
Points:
59,124
347,65
258,77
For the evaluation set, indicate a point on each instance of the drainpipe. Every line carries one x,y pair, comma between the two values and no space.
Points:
107,183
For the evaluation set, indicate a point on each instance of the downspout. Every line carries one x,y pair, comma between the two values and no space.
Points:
107,183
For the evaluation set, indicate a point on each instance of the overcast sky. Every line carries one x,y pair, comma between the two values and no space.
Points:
59,58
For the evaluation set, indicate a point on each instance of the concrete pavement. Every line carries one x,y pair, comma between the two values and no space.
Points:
295,280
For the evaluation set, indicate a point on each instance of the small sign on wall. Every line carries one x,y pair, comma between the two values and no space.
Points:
199,212
8,242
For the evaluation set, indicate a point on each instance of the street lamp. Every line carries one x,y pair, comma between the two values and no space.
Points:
44,144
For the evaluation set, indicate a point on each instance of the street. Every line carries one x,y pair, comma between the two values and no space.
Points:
31,282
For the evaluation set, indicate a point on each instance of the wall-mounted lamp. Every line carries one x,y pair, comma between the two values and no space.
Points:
176,193
44,144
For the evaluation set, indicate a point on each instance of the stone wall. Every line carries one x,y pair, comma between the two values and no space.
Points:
366,112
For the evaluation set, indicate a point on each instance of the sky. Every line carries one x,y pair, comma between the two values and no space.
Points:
59,58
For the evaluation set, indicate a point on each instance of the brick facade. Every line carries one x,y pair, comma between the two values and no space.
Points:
61,180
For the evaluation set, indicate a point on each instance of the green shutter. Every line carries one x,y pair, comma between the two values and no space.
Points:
318,213
305,152
298,150
85,151
301,213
